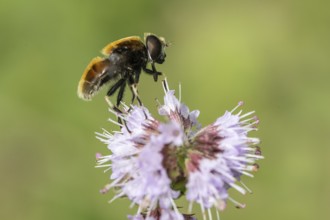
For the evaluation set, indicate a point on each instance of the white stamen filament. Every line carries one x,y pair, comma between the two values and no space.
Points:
258,157
209,213
246,114
105,134
139,209
99,163
247,168
102,166
226,174
165,85
238,105
124,154
238,188
253,140
174,206
190,207
243,159
113,111
115,122
248,149
246,120
106,170
203,210
245,186
114,183
218,215
239,205
179,92
247,174
117,196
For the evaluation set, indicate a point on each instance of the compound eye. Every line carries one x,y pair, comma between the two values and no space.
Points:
154,46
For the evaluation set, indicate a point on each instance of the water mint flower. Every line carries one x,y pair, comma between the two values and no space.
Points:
221,153
154,162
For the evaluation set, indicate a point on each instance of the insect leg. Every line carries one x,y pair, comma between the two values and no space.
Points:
153,72
119,98
118,113
121,93
133,87
112,106
116,86
111,91
137,76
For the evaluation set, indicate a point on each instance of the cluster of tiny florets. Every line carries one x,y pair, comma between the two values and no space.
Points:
153,163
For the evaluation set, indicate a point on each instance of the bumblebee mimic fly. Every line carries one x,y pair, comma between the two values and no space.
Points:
123,62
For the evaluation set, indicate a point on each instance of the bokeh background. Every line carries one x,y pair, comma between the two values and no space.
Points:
274,55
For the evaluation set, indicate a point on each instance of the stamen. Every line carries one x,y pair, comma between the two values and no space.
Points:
102,166
248,168
247,120
229,176
248,149
139,209
158,104
106,133
106,170
241,103
255,156
165,85
104,159
256,167
190,207
209,213
255,123
247,188
237,204
247,114
132,205
239,113
174,206
113,112
104,137
203,210
115,122
238,188
243,159
253,140
107,99
98,156
119,179
218,215
256,119
117,196
124,106
180,92
247,174
105,189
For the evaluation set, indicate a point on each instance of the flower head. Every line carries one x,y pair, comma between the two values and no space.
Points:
154,162
221,153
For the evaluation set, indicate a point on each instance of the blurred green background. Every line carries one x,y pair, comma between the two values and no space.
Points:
274,55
